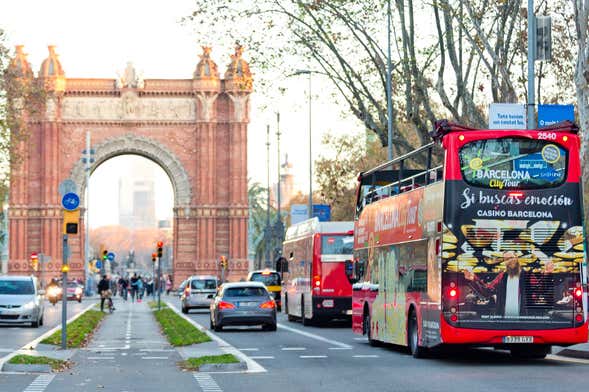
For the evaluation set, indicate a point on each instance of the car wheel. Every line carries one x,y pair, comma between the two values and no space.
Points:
271,327
35,324
184,309
218,328
80,300
41,321
211,323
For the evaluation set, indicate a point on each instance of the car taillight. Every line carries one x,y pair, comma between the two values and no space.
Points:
268,305
187,292
225,305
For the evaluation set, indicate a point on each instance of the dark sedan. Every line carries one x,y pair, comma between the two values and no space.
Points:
243,303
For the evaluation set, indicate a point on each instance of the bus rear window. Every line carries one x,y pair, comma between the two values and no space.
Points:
513,163
337,244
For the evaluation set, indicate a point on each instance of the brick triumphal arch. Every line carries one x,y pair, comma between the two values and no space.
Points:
195,129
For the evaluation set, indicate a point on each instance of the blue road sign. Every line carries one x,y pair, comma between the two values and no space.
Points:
110,256
98,264
322,211
552,114
70,201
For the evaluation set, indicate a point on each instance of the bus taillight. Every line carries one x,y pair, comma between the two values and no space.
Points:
453,318
453,293
578,292
579,318
316,282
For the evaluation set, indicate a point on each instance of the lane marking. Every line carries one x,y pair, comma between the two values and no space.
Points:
40,383
156,350
359,338
33,343
252,366
93,358
312,356
365,356
247,349
154,357
340,348
262,357
206,382
313,336
293,348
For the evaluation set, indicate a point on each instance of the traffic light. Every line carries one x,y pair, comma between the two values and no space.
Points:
160,250
71,221
223,262
153,256
35,261
104,255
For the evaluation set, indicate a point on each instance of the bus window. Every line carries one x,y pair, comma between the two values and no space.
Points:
513,163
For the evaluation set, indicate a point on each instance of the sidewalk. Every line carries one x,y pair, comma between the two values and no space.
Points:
128,353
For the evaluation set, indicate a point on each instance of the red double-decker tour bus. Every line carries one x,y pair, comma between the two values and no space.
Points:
317,283
474,239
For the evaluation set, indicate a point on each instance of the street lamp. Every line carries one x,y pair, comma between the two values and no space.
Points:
278,228
309,72
389,87
87,160
267,229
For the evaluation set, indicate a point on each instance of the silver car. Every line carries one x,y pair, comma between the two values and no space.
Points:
198,292
243,303
21,301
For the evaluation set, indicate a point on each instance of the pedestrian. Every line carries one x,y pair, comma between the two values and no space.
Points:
168,285
104,290
140,289
124,284
134,286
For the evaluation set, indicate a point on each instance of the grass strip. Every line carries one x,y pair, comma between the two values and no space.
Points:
194,363
153,304
179,331
56,364
79,331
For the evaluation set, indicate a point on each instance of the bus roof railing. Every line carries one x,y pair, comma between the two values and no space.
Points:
396,160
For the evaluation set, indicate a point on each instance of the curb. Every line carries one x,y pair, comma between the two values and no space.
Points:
23,368
251,366
573,353
32,346
222,367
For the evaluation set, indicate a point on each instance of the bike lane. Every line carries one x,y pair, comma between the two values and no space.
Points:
128,353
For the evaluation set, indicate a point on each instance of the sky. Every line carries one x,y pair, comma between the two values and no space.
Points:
97,38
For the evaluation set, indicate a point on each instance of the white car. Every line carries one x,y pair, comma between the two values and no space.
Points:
21,301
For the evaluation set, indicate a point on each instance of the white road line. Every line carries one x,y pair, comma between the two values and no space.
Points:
40,383
293,348
340,348
156,350
93,358
262,357
359,338
316,337
252,366
154,357
365,356
312,356
247,349
206,382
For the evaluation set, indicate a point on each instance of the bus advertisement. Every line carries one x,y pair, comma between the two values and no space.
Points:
484,248
317,272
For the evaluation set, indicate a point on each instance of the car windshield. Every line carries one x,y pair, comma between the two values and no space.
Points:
204,284
16,287
245,292
269,279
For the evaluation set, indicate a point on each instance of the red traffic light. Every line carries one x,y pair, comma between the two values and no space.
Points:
160,244
154,255
34,256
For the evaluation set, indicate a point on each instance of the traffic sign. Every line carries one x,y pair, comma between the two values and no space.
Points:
98,264
67,186
70,201
110,256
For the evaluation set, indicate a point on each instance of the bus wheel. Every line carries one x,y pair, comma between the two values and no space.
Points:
413,336
304,320
367,329
289,316
530,351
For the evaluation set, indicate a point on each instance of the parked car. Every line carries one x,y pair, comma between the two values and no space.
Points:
198,292
243,303
74,291
21,301
271,280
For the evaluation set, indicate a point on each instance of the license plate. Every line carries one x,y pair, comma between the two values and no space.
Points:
518,339
328,303
247,304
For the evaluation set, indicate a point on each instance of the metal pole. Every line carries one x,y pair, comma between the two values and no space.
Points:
531,59
159,282
64,294
278,153
310,212
153,281
267,233
389,87
41,274
88,287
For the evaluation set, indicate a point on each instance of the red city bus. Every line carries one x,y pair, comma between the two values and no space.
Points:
316,282
484,246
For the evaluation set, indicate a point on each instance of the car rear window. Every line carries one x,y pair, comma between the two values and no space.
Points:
245,292
270,279
203,284
16,287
